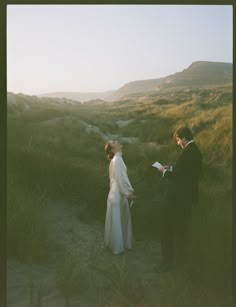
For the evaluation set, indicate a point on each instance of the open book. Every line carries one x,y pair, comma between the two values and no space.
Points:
157,165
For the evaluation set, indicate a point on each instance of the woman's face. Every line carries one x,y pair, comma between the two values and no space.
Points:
116,146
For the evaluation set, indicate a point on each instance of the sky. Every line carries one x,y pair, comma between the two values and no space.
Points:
97,48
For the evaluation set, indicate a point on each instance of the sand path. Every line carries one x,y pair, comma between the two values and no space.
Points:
71,236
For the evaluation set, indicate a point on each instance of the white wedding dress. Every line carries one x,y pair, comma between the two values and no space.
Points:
118,227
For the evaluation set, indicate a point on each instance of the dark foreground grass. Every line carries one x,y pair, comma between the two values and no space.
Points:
27,236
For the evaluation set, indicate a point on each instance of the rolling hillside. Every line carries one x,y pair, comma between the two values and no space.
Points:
79,96
200,74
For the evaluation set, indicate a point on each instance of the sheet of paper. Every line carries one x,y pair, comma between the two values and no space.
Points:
157,165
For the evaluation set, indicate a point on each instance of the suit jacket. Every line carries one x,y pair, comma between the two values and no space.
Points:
185,176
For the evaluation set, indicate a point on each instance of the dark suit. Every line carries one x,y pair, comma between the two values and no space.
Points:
182,193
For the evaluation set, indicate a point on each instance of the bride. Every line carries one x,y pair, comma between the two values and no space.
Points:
118,227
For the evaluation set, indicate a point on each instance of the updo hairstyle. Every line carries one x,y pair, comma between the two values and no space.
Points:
108,150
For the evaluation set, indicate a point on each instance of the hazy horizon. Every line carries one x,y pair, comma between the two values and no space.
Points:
99,48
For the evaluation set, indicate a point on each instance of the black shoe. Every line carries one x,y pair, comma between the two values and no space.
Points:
164,268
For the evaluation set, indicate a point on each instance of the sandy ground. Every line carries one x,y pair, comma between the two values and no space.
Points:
35,285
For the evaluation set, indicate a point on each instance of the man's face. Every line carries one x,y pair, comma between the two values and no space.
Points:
181,142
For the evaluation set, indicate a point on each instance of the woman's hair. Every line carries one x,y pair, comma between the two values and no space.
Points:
108,151
183,132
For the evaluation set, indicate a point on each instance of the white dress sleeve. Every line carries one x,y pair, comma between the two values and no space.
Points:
120,176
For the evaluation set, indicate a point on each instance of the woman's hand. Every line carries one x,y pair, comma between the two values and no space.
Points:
132,196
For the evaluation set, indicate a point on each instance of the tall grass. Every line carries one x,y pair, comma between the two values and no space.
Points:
26,234
67,162
111,283
72,276
211,252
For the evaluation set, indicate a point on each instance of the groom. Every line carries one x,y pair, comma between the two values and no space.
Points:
182,181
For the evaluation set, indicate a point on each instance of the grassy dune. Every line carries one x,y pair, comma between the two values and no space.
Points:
57,151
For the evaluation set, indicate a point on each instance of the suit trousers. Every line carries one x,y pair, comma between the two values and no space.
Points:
174,229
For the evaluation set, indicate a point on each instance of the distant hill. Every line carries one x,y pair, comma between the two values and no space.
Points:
200,74
79,96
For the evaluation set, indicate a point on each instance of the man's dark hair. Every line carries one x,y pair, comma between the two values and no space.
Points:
183,132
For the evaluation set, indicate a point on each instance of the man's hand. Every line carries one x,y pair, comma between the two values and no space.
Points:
161,170
165,168
168,168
